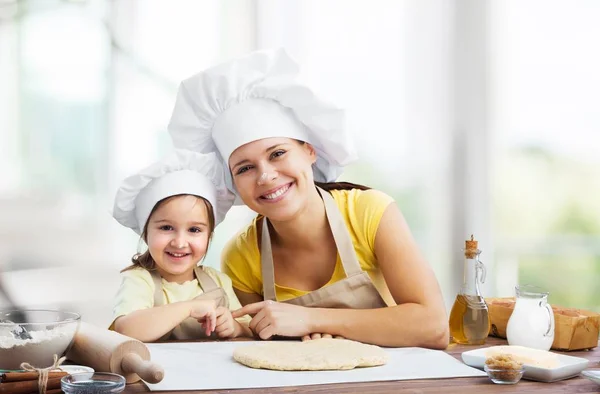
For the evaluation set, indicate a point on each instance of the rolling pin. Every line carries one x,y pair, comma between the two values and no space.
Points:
109,351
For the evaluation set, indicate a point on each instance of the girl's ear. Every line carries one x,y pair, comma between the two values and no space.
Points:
311,152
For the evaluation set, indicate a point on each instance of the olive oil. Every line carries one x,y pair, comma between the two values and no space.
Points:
469,318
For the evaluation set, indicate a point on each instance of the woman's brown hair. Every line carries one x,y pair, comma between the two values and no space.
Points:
145,260
328,186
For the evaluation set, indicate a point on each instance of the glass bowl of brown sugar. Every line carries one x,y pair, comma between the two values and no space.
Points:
503,369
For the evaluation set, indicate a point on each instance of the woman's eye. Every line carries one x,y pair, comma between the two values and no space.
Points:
277,153
243,169
166,227
195,230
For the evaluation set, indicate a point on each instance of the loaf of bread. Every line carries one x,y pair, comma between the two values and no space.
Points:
525,355
574,329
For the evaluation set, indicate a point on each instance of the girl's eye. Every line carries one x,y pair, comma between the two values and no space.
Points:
277,153
243,169
166,227
195,230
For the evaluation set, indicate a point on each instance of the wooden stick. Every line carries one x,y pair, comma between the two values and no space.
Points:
109,351
147,370
22,376
27,386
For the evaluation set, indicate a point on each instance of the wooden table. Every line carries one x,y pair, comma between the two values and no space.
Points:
455,385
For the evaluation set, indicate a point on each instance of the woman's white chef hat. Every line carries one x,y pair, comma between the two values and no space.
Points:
180,172
255,97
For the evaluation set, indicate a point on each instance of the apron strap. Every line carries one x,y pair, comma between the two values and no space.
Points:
158,293
207,283
266,262
340,236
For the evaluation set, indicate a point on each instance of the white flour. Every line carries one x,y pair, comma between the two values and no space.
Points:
37,351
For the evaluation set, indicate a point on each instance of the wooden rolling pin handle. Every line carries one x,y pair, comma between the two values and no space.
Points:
147,370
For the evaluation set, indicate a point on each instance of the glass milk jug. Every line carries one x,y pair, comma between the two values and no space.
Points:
532,321
469,318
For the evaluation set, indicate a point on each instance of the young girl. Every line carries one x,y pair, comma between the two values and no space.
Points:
175,205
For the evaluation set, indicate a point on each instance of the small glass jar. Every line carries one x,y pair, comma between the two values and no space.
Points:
97,383
504,376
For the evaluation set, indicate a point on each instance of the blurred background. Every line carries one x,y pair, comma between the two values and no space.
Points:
478,117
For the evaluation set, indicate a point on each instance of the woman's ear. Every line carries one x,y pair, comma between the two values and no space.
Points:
311,152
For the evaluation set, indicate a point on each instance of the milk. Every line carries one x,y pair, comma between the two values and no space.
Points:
531,323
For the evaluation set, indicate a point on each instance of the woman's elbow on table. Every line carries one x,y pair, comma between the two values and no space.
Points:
437,335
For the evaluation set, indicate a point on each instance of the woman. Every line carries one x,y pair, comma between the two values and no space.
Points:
321,258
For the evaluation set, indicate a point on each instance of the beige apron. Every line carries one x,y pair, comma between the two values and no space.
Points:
356,291
190,328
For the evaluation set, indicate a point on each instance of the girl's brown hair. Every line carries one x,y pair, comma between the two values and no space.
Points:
145,260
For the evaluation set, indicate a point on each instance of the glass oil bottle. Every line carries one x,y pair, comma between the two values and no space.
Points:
469,318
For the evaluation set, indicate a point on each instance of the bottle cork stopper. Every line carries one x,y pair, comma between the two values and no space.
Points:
471,248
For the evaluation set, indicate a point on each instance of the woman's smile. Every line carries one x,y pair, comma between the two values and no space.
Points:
277,194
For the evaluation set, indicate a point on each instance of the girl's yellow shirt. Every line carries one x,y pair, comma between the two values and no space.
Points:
361,210
137,292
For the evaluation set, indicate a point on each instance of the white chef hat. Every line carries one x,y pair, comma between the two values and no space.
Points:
180,172
255,97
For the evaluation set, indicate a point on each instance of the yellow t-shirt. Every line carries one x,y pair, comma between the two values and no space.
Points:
137,292
361,210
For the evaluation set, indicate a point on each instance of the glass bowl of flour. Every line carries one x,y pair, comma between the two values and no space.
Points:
35,336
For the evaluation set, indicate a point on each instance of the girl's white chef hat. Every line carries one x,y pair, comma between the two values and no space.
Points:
180,172
255,97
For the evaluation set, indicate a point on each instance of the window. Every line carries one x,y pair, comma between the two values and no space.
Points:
546,125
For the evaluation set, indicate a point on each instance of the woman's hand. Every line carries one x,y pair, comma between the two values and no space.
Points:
317,335
204,311
275,318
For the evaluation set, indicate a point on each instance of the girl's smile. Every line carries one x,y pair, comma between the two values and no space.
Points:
177,258
177,255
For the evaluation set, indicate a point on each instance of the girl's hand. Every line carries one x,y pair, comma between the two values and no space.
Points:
225,324
318,336
275,318
204,311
